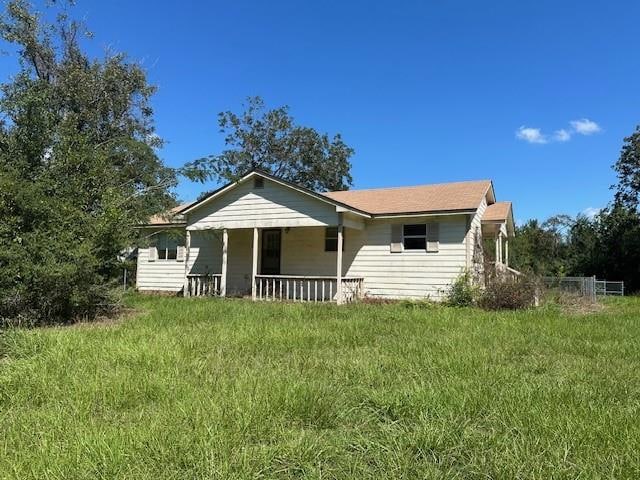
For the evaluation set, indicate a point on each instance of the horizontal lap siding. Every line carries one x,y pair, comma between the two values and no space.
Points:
205,256
303,253
160,275
239,258
410,274
271,206
205,253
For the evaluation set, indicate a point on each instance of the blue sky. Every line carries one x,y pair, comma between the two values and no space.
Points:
424,92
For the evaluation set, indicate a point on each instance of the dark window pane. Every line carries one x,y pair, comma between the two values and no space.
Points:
410,230
415,243
331,245
331,239
172,254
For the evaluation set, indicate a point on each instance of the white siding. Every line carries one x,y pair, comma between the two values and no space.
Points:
303,252
205,256
409,274
272,206
239,262
205,253
159,275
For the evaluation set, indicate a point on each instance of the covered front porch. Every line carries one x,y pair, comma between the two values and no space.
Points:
498,227
297,264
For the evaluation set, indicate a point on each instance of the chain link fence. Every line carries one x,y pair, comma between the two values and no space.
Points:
588,287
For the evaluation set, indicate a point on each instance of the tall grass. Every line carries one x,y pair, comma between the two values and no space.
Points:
193,388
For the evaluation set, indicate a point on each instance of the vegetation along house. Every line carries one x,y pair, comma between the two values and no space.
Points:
271,239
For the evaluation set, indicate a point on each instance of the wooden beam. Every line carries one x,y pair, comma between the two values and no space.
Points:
339,298
254,264
225,247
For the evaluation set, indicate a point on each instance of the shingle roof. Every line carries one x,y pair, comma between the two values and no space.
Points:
170,216
498,211
423,198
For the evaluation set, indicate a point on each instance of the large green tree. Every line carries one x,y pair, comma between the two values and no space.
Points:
540,248
269,140
78,168
628,170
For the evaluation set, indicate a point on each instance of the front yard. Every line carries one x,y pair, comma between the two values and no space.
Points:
193,388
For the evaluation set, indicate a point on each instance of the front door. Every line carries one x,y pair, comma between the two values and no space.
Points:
270,253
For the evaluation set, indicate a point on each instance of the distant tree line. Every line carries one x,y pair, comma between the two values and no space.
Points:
607,245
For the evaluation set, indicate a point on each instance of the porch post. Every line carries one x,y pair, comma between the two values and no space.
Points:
339,298
506,251
254,264
498,248
187,247
223,279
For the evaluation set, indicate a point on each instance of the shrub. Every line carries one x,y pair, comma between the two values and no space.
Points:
501,293
462,292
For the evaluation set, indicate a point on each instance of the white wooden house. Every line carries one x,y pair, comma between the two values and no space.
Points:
270,239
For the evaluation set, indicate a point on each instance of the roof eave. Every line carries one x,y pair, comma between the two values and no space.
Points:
161,225
427,213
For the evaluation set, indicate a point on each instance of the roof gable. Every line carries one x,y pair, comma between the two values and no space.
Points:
499,212
318,196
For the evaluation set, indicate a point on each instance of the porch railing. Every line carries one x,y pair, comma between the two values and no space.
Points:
203,285
507,272
307,288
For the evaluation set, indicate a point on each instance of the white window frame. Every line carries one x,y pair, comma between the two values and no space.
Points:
163,237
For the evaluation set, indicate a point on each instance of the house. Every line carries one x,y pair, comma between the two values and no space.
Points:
271,239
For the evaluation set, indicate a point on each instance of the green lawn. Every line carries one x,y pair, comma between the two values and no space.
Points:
192,388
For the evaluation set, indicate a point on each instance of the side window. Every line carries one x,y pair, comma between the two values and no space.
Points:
414,237
167,246
331,239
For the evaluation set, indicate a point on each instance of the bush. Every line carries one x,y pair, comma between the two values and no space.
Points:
462,292
505,294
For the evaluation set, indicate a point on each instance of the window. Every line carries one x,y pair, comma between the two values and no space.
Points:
167,246
414,237
331,239
258,182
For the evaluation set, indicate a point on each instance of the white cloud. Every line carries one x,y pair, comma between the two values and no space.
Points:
590,212
531,135
584,126
562,135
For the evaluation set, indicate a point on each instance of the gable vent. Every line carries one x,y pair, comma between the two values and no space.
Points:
258,182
